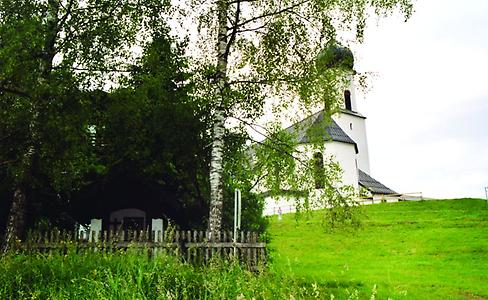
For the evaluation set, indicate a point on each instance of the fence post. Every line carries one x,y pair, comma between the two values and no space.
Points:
156,225
95,228
237,215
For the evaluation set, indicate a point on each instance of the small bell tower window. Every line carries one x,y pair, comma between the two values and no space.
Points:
347,99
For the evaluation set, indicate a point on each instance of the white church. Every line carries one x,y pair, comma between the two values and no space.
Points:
345,141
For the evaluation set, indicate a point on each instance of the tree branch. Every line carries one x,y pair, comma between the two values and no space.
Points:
252,29
270,14
300,16
242,1
287,153
70,35
262,81
66,15
267,135
98,70
258,180
234,30
304,164
3,163
14,91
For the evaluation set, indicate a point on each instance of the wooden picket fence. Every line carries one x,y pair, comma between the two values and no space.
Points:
196,247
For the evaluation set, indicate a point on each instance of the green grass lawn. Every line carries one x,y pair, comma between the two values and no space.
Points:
410,250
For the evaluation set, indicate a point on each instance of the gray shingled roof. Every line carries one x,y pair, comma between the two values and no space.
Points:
373,185
352,113
329,131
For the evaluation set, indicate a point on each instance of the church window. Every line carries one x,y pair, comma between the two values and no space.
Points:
319,171
347,99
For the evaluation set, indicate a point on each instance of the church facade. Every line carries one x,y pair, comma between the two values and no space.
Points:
345,142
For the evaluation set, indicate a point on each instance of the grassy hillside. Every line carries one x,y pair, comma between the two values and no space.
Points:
410,250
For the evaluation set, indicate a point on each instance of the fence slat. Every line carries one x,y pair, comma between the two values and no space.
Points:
196,247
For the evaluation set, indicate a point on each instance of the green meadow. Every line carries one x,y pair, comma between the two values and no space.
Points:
408,250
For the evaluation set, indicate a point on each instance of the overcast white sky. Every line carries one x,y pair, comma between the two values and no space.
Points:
428,108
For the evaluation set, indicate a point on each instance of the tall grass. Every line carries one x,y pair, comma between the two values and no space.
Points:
133,275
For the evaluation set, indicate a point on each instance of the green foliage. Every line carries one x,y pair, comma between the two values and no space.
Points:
53,56
151,122
301,173
275,163
335,56
149,135
343,211
272,50
66,130
259,55
239,175
77,100
409,250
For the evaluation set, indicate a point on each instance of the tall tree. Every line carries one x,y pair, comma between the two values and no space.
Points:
51,53
254,50
150,132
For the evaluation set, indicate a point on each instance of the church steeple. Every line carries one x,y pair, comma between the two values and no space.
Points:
337,56
349,119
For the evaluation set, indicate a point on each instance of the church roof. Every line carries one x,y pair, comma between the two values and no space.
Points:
373,185
329,131
334,55
352,113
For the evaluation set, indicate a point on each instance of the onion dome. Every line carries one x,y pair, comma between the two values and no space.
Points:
335,56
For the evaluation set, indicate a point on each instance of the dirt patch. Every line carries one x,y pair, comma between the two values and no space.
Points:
471,296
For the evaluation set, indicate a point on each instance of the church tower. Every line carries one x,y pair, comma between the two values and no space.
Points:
349,119
354,124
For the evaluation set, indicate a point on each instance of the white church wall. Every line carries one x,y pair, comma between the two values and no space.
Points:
355,128
345,155
342,153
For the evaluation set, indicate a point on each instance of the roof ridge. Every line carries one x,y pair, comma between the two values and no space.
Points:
372,184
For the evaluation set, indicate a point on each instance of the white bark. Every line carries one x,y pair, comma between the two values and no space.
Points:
15,223
216,173
216,163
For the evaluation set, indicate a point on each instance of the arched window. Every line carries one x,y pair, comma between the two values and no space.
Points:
319,171
347,99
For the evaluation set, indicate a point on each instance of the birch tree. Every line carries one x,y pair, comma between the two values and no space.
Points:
250,51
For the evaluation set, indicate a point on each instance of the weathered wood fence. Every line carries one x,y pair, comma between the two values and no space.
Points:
197,247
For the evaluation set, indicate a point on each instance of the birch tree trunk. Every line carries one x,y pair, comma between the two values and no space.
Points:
16,217
216,162
15,223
